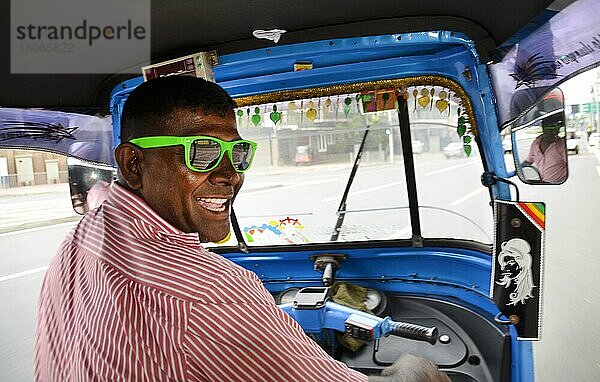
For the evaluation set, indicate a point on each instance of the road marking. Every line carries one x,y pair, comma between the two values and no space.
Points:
290,186
467,196
366,190
399,234
28,230
24,273
450,168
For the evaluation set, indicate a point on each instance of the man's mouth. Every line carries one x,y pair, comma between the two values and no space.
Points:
213,204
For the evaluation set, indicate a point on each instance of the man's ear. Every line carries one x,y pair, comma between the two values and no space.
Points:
129,159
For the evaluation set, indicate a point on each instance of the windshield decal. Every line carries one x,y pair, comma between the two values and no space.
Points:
287,230
55,132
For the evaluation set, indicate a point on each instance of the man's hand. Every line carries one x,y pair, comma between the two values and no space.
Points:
409,368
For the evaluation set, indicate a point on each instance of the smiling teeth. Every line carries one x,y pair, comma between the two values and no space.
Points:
212,200
212,204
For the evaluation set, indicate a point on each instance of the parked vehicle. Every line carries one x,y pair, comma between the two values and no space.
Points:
572,142
594,139
304,155
454,150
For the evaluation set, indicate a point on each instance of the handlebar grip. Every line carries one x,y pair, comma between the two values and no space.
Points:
415,332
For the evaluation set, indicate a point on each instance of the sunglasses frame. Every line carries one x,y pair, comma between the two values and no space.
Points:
169,140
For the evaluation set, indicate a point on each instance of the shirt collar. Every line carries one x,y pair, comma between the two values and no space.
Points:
154,225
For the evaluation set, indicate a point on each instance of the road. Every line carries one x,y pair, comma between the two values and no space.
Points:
569,349
25,256
570,346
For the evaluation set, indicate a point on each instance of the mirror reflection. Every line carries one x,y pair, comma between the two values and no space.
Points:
540,142
88,184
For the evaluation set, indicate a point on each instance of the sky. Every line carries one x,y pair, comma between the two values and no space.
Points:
578,89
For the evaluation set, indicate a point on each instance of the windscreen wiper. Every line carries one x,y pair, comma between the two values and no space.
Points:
242,246
341,211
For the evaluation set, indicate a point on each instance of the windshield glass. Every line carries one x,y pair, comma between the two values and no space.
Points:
307,149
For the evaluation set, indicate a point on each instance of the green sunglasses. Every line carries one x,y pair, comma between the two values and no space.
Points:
202,153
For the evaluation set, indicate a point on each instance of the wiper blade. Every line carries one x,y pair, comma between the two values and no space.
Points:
341,211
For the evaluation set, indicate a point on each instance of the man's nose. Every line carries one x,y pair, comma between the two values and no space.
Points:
224,173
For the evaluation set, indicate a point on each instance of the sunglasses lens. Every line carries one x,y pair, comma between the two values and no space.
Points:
242,155
204,153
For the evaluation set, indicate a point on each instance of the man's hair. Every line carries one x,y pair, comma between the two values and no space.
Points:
151,106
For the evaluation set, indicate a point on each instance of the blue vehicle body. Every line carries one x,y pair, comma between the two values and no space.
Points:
452,274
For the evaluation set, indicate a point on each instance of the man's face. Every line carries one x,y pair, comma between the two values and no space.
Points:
550,132
192,201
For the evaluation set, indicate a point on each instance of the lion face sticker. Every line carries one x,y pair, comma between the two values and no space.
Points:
515,265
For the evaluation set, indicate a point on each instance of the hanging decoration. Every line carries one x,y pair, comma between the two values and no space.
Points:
415,95
405,94
275,115
311,113
424,98
441,94
347,103
379,100
369,101
256,116
442,104
464,132
432,92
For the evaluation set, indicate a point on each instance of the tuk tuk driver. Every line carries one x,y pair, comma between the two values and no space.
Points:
133,296
549,152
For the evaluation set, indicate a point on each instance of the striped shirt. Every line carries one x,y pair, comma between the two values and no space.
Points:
129,297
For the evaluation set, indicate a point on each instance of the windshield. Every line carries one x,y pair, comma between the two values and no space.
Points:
308,147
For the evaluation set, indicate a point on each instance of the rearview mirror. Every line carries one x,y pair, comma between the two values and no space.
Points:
538,142
88,184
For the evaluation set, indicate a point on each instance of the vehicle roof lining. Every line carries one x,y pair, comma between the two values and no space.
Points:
180,28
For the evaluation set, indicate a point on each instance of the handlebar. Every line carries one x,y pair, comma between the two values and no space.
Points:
314,312
416,332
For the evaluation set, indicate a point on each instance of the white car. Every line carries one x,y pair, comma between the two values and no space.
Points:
454,149
572,142
594,139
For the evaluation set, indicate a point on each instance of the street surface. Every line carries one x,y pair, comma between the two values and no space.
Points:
569,350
